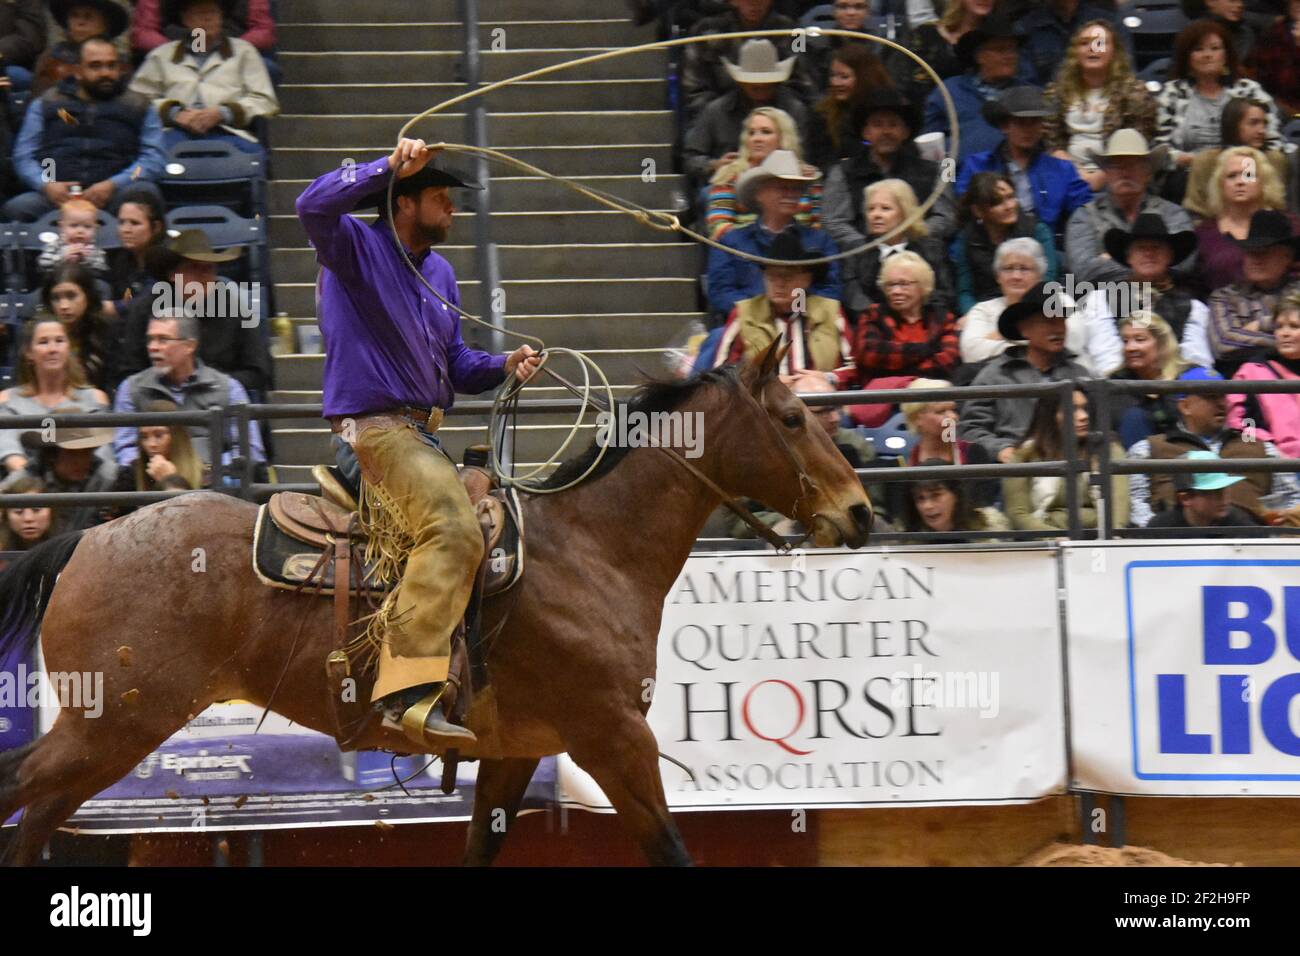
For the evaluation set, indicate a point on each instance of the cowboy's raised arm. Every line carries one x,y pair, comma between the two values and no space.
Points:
323,211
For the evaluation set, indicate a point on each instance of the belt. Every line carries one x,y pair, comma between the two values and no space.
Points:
430,419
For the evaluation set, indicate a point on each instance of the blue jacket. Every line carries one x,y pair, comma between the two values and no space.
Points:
1058,189
977,135
732,279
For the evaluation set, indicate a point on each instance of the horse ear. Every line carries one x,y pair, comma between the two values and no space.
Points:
769,360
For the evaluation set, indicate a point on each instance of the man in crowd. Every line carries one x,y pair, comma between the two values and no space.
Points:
1046,186
888,122
760,80
177,374
1204,501
213,89
1201,427
704,77
67,461
230,334
90,134
1129,164
1242,314
998,425
774,188
22,37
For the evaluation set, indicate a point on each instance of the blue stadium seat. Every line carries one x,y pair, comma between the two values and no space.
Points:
225,230
1153,30
891,440
1156,73
211,172
25,240
819,16
1291,131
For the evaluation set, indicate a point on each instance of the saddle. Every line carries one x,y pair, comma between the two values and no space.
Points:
315,544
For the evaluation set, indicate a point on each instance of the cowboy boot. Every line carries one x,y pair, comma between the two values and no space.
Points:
424,722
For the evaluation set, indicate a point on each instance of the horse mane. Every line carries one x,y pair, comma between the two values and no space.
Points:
653,396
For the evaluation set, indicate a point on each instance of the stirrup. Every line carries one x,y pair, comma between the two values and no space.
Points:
332,488
424,725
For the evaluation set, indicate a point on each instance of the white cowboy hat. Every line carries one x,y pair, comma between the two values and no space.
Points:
779,164
758,64
1129,142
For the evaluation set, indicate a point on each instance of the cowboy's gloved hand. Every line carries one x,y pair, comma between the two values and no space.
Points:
523,362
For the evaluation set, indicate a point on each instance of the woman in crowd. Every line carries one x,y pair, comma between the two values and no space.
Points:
766,129
24,528
910,335
854,72
1275,60
167,460
946,506
887,204
936,43
49,376
1094,95
935,426
992,215
141,227
1040,504
71,294
1230,16
1276,416
1205,76
1020,264
1244,123
1242,182
1150,354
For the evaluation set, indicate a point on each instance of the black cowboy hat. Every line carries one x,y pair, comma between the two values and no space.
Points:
996,26
174,8
886,100
429,176
1046,298
789,248
1148,226
1268,227
1024,102
114,14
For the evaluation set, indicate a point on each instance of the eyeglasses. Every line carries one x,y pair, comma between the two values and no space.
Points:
1024,269
899,284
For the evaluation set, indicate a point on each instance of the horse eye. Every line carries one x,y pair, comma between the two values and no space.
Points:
792,420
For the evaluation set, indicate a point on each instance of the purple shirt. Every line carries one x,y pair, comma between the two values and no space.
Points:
388,341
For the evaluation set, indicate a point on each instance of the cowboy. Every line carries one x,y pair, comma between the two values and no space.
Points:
67,460
1204,501
760,80
705,70
1129,164
887,122
394,359
1242,314
229,313
774,188
1046,185
1149,251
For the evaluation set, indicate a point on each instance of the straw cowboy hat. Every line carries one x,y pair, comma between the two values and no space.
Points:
779,164
70,438
758,64
1126,143
195,245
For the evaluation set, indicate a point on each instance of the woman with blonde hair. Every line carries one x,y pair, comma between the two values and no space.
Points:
167,460
1244,123
934,424
1095,94
766,129
1242,182
1150,354
887,205
49,375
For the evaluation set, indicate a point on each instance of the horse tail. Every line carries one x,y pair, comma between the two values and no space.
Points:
26,586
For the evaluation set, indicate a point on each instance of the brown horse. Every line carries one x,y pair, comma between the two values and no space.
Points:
568,672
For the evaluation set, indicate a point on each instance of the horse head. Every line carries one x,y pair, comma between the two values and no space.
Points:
786,460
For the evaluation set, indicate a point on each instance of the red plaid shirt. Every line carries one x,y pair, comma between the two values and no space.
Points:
1274,61
879,350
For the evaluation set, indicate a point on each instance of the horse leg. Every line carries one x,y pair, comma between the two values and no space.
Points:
622,756
498,791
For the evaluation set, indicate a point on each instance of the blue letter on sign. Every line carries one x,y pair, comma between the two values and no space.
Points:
1274,714
1171,698
1219,626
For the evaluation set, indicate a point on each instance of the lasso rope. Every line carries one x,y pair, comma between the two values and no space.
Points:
505,403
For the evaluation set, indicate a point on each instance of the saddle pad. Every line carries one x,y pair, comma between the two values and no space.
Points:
283,561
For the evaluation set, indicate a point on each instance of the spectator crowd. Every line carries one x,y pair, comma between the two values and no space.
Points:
112,308
1111,204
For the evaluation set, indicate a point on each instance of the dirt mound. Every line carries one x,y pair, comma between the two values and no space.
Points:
1067,854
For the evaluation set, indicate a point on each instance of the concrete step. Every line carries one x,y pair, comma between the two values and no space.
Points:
505,130
443,66
561,160
413,98
594,261
494,37
522,194
303,372
542,296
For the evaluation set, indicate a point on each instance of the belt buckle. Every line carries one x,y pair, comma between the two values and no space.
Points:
435,420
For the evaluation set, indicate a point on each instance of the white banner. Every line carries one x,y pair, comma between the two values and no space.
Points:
1184,665
853,679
